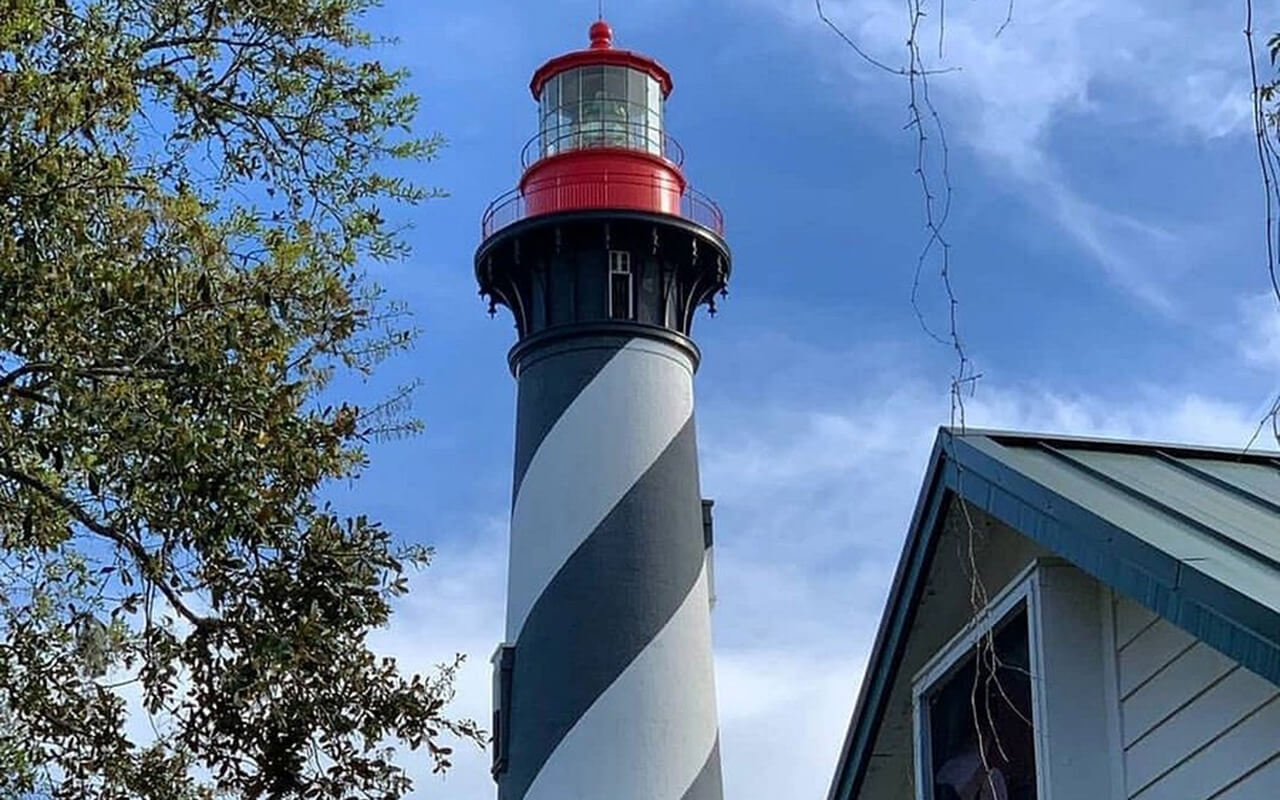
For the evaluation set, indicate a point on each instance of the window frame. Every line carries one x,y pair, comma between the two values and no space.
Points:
549,116
620,264
628,113
1023,589
503,661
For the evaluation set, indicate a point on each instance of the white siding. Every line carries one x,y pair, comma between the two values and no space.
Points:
1257,785
1194,724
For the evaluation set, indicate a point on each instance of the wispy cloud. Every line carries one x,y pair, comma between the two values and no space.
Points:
455,606
1259,331
1128,249
1174,72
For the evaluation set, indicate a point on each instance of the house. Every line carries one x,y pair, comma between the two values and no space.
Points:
1077,618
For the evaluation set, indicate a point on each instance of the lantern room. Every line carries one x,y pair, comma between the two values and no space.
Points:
601,141
602,97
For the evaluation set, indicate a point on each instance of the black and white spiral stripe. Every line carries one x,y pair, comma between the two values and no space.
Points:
612,693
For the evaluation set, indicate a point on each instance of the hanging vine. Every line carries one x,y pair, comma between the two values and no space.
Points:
932,171
1266,121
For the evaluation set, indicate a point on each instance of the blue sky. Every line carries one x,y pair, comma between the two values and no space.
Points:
1107,256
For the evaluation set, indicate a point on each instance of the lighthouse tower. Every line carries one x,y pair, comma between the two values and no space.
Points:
603,687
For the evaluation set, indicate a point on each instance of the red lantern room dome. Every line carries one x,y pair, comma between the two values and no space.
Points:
601,141
601,52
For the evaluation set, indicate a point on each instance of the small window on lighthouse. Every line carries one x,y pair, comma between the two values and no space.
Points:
621,303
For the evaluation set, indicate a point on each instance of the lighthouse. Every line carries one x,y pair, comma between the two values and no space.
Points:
603,686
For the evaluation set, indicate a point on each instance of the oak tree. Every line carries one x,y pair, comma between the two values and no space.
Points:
188,192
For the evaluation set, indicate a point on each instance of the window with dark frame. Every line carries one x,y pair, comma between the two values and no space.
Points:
621,302
980,723
601,106
503,662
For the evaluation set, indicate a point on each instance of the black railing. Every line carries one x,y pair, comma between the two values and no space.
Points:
598,133
599,190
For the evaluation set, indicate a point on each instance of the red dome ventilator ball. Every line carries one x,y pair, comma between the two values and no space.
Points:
601,35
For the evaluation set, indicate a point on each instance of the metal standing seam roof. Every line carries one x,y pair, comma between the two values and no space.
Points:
1192,533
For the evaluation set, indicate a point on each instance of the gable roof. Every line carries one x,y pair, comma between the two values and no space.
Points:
1191,533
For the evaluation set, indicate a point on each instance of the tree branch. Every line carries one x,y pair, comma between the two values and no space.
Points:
29,368
147,561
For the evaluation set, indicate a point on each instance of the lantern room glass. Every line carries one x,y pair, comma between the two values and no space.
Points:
601,107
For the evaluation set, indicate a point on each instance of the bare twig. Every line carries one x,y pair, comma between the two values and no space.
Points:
1268,165
30,367
1008,18
923,117
1266,153
870,59
822,15
942,25
937,192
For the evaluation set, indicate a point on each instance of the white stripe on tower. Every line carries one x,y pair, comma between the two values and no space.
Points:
650,734
604,441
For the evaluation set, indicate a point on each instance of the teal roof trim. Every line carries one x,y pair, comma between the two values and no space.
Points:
1191,533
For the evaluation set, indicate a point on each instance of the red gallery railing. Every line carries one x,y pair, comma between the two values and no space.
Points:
601,190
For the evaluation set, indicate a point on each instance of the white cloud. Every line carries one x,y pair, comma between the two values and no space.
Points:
454,606
780,712
1170,70
1259,331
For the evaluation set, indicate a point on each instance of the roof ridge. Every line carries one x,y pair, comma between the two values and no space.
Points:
1033,438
